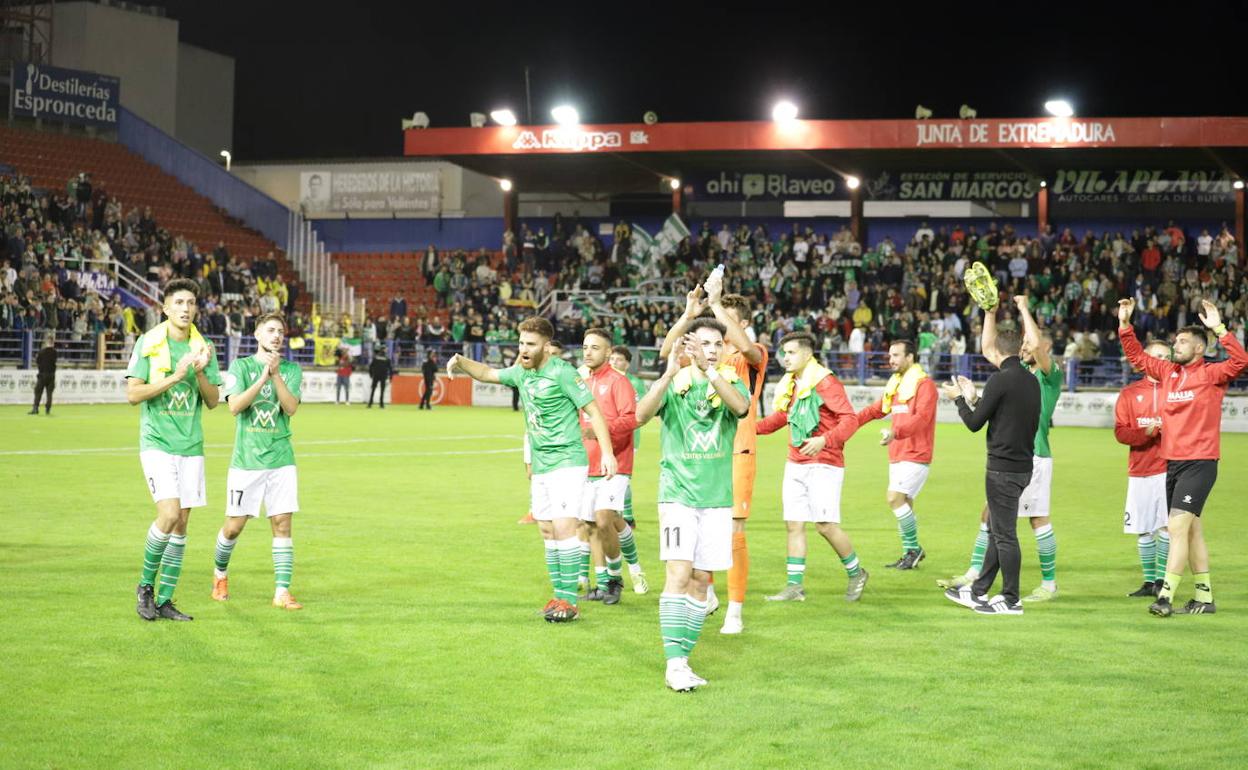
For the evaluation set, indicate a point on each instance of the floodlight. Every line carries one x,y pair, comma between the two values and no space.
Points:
852,182
1059,108
784,111
503,117
504,185
565,115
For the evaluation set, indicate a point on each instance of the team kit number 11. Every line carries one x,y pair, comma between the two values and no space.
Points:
671,537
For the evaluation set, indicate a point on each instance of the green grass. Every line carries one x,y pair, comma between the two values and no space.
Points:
420,645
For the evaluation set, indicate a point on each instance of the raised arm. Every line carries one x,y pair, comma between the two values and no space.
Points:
694,305
138,391
239,402
1223,371
735,335
1031,333
734,399
474,369
988,336
1133,350
650,403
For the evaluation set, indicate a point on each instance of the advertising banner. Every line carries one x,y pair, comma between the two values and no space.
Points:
64,95
369,192
1142,186
757,135
952,186
768,186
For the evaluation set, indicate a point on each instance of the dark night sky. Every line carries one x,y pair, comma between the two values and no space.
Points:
319,79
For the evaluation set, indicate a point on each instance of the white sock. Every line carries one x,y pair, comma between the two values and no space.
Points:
734,609
634,569
677,663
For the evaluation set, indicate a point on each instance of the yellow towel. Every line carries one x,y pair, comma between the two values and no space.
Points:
901,388
790,389
156,346
684,380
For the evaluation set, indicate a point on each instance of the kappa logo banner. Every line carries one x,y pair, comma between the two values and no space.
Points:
568,139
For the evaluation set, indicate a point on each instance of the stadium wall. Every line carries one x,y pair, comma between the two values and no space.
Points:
205,105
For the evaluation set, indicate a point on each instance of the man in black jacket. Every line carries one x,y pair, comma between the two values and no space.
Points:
430,369
381,371
1010,406
45,381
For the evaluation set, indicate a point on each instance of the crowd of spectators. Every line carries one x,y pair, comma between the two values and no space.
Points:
57,251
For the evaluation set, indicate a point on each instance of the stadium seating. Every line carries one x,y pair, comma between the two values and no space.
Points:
50,159
379,277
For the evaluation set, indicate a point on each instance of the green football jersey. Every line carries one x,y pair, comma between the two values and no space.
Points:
170,422
551,396
262,430
1050,390
696,442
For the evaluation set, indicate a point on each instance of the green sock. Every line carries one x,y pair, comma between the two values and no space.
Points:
672,624
796,568
908,527
600,577
1147,547
1046,548
225,547
283,562
1203,588
1163,553
981,548
170,568
613,568
153,551
695,615
569,568
1169,585
851,564
552,564
628,546
583,554
627,513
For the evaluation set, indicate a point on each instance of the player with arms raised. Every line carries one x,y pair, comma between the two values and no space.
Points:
551,393
263,393
700,405
1191,442
1137,423
172,374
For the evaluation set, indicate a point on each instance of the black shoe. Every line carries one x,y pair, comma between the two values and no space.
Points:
912,558
33,411
1194,607
146,606
169,612
1157,586
596,595
1148,589
614,589
1161,608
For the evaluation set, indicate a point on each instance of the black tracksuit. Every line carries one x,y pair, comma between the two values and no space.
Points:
1010,406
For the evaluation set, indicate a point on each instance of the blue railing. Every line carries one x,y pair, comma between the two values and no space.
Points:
205,176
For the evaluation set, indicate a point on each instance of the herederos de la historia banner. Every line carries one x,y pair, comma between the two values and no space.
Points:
369,192
65,95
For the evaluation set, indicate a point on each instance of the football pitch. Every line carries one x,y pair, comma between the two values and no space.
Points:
421,645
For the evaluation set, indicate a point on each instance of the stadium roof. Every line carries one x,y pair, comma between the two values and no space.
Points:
624,158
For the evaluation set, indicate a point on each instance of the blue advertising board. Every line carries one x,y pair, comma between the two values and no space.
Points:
65,95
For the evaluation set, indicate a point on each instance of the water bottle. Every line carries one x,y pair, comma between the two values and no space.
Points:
718,272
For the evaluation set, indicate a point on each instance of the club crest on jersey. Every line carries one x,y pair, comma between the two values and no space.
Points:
1140,399
264,418
178,397
267,390
602,390
704,441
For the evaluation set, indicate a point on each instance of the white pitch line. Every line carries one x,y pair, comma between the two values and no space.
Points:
316,442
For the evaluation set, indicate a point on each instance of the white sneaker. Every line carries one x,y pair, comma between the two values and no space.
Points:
640,586
699,680
965,596
712,601
732,625
681,679
998,605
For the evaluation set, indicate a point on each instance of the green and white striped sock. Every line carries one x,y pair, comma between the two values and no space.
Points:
981,548
569,569
600,577
1046,549
1163,552
908,527
583,553
552,565
221,557
628,547
1147,548
795,566
672,624
283,562
613,568
695,615
851,564
153,551
627,513
170,568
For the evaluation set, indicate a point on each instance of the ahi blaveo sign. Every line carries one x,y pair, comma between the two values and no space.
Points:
745,185
68,96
